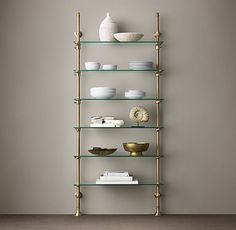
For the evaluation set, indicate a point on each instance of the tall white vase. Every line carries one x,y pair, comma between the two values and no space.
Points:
107,28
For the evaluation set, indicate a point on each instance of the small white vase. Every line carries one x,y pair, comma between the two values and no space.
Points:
107,28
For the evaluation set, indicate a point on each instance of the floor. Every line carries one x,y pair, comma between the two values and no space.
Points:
170,222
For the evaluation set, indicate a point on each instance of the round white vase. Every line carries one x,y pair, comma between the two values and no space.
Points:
107,28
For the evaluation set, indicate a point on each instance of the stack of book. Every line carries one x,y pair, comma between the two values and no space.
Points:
116,177
100,121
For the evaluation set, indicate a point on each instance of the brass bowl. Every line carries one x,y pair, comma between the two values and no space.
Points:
102,151
136,148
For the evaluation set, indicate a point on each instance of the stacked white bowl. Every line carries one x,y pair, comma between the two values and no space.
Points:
134,94
103,92
109,67
140,65
92,65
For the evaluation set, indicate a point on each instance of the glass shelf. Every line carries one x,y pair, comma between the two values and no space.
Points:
122,127
117,42
119,99
118,156
140,184
119,70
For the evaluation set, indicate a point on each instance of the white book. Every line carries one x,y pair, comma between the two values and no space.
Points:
98,121
116,173
98,181
116,178
95,117
109,121
104,122
108,118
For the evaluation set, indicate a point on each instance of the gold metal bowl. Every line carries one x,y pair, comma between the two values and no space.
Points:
136,148
102,151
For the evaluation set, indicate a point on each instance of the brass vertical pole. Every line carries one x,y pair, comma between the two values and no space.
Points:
78,193
157,193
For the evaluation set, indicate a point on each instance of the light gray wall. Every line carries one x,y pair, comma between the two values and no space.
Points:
37,112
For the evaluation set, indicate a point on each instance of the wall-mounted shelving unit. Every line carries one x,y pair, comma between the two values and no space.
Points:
78,100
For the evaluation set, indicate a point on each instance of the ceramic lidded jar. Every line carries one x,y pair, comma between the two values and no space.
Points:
107,28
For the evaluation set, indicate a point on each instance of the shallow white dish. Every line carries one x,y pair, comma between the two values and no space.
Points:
109,67
92,65
128,36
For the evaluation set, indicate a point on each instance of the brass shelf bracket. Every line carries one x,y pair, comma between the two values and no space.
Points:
77,101
156,195
157,46
79,195
80,34
157,34
77,129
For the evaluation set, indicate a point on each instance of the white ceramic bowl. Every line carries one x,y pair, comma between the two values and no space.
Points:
92,65
133,96
109,67
102,89
128,93
135,91
102,95
129,36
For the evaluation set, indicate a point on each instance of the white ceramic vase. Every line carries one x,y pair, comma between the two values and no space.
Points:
107,28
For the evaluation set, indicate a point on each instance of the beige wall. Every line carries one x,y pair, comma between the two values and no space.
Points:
37,141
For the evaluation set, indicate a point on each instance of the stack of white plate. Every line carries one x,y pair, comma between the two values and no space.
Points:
134,94
140,65
102,92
